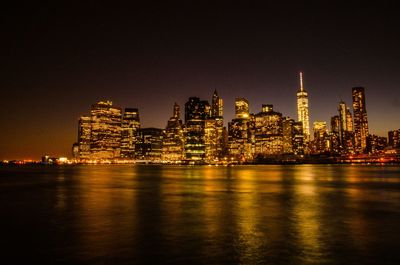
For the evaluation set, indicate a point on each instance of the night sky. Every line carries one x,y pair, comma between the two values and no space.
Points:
59,59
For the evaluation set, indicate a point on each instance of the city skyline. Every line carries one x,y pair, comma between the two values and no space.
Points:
110,134
250,110
225,110
60,59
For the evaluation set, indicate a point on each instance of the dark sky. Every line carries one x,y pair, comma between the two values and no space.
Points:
58,59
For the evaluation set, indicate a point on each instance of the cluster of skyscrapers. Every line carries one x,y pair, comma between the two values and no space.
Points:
109,133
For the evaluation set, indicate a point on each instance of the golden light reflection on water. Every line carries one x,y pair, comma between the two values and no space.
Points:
108,210
233,214
306,211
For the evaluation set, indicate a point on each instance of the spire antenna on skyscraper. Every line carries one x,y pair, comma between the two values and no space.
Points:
301,82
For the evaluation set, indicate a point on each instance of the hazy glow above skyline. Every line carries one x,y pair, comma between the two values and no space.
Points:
62,59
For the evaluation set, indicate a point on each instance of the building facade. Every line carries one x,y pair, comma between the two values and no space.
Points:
346,134
84,134
268,132
196,112
394,138
129,133
105,139
240,146
149,144
173,150
360,120
321,140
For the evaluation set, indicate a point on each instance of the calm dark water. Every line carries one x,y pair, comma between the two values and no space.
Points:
117,214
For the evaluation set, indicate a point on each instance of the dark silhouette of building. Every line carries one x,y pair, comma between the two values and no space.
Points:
196,112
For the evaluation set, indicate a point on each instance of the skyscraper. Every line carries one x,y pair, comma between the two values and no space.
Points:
302,109
149,144
173,144
268,132
84,133
214,127
288,135
360,119
321,140
346,134
196,112
239,135
105,141
130,128
335,135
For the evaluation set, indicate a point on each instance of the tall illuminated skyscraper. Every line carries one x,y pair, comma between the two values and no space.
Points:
360,119
268,132
173,149
105,140
345,128
302,109
130,128
239,136
214,128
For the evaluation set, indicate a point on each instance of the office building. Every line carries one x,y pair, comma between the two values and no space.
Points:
321,140
196,112
173,149
129,134
268,132
360,120
84,134
105,140
149,144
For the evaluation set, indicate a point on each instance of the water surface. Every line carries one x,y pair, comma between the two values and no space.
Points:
124,214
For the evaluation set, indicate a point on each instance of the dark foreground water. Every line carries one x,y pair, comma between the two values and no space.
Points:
200,215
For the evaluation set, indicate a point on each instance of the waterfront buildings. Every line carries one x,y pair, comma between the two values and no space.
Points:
105,134
109,134
360,120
